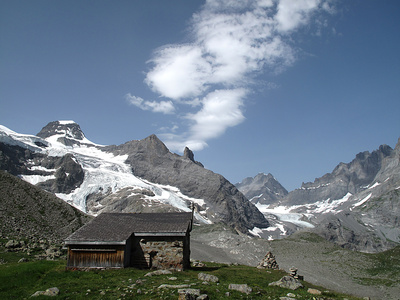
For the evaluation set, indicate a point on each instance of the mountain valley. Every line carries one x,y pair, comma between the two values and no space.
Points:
355,206
320,227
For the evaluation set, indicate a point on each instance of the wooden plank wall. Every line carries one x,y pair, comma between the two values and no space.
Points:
95,256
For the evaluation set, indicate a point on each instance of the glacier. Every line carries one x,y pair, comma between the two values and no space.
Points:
104,172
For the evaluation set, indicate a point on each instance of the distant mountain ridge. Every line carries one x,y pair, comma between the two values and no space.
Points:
263,189
140,175
356,206
352,178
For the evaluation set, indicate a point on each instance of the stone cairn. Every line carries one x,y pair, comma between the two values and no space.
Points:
269,262
293,273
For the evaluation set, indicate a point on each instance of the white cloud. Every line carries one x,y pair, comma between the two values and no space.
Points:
291,14
221,110
179,72
165,107
232,42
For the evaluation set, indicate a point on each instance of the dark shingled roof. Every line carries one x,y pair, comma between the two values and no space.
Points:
118,227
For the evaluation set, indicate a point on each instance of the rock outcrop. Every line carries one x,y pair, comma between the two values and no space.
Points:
287,282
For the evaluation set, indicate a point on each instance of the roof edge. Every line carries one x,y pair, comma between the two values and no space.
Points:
72,242
152,233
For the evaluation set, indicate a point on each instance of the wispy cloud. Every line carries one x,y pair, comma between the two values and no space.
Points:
232,42
166,107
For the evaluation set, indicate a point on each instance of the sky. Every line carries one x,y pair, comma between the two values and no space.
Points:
286,87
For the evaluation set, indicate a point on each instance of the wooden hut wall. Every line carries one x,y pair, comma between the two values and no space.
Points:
96,256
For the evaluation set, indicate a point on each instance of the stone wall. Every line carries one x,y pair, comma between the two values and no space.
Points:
161,252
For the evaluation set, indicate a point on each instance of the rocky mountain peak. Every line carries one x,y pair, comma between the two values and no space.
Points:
397,148
262,177
154,145
187,153
66,129
263,188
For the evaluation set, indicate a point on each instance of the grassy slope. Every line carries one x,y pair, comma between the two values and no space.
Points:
20,280
385,270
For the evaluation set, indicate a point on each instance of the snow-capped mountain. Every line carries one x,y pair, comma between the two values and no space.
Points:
134,177
357,205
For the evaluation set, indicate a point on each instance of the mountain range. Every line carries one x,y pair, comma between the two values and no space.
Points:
355,206
138,176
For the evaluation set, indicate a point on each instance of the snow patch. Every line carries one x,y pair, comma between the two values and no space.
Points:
40,168
256,197
363,200
326,206
66,122
35,179
256,231
26,141
283,213
260,231
374,185
315,187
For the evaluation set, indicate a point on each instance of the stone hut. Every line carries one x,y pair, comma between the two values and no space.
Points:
142,240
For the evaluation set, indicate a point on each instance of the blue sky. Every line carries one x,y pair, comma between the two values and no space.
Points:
285,87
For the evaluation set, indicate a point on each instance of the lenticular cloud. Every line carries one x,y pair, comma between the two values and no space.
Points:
232,42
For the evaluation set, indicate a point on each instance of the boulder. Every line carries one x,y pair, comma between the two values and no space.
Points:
314,291
158,272
207,277
174,286
243,288
22,260
13,244
188,294
54,291
287,282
